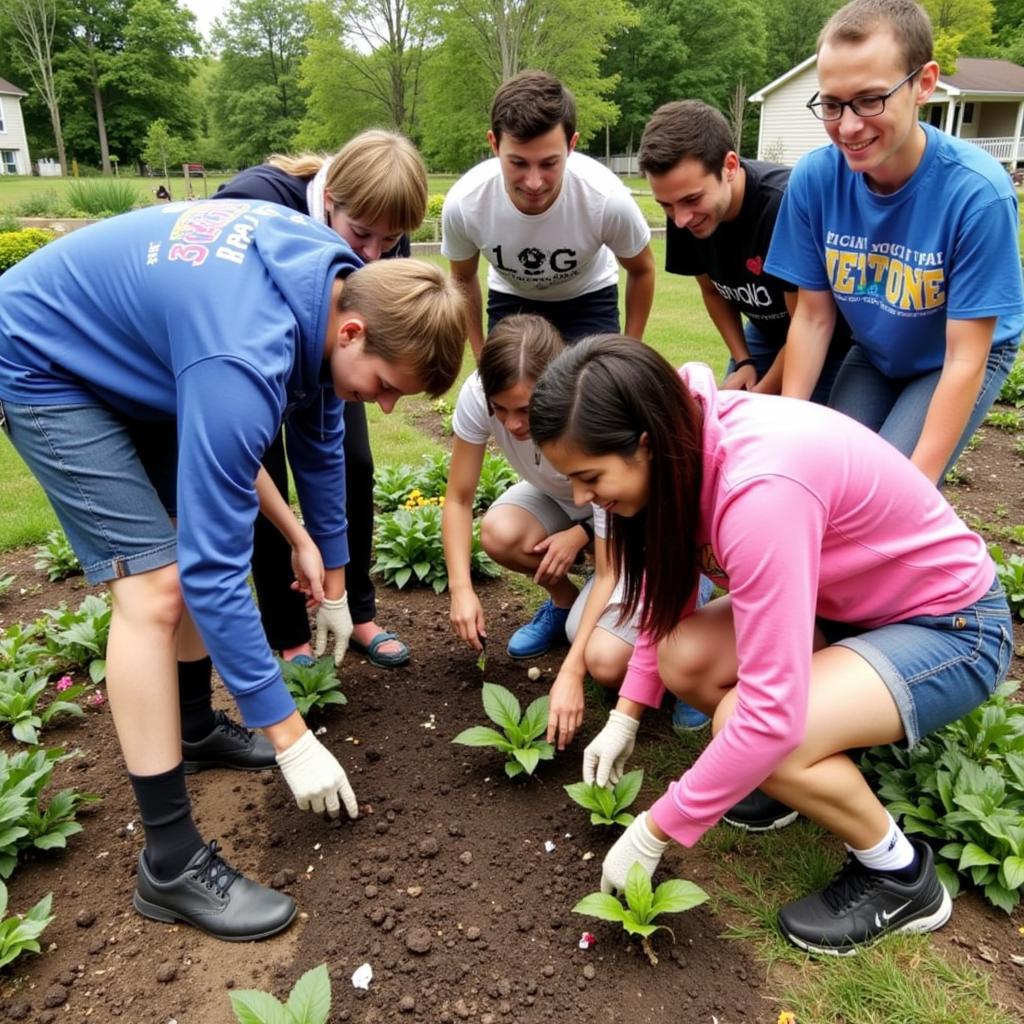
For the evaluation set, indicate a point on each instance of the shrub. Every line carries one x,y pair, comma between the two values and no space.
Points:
435,201
312,686
9,223
104,198
1013,387
496,477
78,639
432,476
56,557
393,484
20,934
16,245
42,204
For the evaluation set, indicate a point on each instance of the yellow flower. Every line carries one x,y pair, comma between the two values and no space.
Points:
787,1017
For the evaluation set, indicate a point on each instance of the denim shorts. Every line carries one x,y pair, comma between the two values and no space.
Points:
939,667
110,480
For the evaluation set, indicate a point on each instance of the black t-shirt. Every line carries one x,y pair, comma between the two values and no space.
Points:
273,185
733,257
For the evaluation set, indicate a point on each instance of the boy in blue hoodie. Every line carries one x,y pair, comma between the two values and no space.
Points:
145,365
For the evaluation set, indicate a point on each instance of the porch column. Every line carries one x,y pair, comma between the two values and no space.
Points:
1015,156
950,116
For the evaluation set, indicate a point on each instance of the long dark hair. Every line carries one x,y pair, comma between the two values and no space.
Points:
602,395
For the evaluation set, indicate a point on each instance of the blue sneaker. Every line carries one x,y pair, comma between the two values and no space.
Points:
302,660
541,633
687,719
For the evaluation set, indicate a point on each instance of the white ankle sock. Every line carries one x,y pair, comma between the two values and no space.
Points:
892,853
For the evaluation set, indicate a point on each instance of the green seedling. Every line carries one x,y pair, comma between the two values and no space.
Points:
6,582
643,905
20,695
608,806
520,732
309,1002
56,558
78,639
481,661
1010,570
312,686
20,934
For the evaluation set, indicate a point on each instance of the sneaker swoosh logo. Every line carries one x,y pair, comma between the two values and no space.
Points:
887,915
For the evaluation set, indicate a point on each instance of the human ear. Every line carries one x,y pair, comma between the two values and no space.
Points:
493,141
350,330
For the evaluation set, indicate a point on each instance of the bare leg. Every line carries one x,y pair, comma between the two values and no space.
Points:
606,657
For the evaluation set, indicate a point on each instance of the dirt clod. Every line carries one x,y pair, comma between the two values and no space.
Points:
166,972
56,995
418,941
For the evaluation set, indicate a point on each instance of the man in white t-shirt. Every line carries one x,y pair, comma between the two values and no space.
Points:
553,224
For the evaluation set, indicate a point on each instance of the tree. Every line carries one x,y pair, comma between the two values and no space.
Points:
163,149
35,22
960,26
791,32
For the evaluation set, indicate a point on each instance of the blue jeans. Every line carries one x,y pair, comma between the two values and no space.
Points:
896,408
111,482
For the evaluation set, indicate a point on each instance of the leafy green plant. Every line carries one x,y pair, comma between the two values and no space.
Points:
313,686
8,223
20,695
6,582
309,1002
26,821
432,475
435,203
608,806
444,408
57,558
1004,419
1012,392
42,204
78,639
392,485
103,198
19,650
408,545
16,245
964,786
520,733
20,933
496,477
1010,570
643,904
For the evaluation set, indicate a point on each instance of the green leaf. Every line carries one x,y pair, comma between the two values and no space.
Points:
635,927
535,721
583,794
50,841
25,732
545,750
627,788
310,1001
1002,898
675,896
252,1006
974,854
528,758
638,892
98,670
625,819
1013,872
605,800
402,576
597,818
513,768
949,878
501,706
601,905
483,736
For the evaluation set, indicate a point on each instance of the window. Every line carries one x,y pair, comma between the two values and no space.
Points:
8,161
968,116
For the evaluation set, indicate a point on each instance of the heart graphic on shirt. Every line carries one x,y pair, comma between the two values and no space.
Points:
755,265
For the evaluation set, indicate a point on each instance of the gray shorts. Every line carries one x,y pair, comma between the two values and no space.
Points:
554,515
609,620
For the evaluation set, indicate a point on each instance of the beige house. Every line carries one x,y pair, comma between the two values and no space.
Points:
982,102
14,157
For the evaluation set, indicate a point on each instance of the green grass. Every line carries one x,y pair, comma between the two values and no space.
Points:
16,188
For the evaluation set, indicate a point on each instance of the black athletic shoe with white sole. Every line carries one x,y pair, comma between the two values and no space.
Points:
758,812
859,906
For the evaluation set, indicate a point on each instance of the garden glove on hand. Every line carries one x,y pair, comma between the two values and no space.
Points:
315,777
636,845
605,757
333,617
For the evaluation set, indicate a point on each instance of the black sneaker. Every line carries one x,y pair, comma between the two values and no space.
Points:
860,906
759,812
212,896
230,745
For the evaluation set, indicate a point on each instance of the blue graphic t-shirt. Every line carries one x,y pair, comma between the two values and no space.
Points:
943,247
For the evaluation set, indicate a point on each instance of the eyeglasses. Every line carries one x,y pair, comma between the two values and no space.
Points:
862,106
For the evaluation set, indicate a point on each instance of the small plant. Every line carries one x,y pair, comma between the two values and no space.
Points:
520,732
78,639
608,806
313,686
444,408
1012,392
6,582
958,475
16,245
496,477
1010,570
103,198
19,704
19,650
9,223
309,1002
408,545
42,204
1005,419
20,934
392,486
432,476
643,905
57,558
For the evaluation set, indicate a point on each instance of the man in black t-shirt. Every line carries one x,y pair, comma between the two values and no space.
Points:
721,215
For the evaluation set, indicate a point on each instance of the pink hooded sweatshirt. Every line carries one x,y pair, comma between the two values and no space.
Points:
803,513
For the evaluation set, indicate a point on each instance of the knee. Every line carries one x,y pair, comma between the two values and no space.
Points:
682,671
605,665
499,540
153,598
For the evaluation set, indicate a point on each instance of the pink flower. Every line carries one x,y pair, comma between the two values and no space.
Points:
64,683
587,940
97,700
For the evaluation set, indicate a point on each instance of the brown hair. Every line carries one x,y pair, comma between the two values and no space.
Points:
906,20
530,104
603,395
378,175
518,348
685,130
414,315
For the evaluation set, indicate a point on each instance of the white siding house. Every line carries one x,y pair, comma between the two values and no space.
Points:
14,156
983,102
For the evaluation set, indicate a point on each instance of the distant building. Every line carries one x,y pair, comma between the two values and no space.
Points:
14,157
982,103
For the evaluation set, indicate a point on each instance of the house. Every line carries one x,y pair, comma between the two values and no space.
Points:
983,102
14,158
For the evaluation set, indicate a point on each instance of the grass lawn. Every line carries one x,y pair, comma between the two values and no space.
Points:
15,189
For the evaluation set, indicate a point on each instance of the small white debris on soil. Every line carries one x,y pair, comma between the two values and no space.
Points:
534,674
362,976
588,855
549,846
321,731
428,724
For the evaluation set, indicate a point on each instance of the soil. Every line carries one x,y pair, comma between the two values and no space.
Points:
444,885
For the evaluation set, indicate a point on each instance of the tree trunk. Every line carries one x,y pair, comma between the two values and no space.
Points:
101,126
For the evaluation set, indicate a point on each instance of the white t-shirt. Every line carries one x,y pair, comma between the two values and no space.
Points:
567,251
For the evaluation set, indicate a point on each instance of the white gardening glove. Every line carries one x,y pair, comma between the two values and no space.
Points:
605,757
636,845
333,617
315,777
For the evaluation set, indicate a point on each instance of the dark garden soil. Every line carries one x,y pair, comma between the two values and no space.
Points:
444,885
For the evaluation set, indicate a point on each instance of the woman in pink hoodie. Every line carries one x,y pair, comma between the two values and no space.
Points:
860,611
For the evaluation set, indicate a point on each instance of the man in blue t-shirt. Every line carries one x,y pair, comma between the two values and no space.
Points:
721,214
909,233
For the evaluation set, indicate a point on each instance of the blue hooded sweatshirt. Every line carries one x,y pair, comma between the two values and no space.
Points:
213,314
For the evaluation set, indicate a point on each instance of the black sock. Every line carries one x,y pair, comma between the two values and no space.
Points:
171,834
195,698
908,873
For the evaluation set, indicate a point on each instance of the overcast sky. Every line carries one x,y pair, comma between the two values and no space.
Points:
205,11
